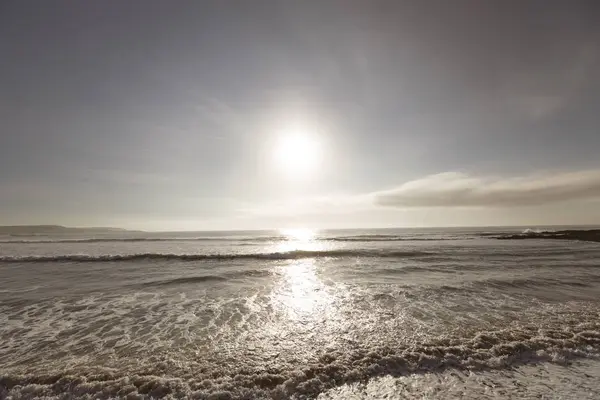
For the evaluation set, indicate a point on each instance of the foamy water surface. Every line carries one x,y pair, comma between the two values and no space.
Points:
299,314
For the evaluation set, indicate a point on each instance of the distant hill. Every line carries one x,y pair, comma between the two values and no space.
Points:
53,229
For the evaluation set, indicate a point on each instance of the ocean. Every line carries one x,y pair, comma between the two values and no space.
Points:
300,314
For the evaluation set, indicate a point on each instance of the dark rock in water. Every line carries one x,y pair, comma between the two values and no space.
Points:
590,235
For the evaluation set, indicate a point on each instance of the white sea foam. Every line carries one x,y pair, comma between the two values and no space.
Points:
541,381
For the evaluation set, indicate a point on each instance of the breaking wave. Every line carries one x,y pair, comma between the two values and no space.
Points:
492,350
391,238
289,255
590,235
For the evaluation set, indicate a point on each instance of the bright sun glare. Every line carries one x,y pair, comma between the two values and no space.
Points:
299,234
297,153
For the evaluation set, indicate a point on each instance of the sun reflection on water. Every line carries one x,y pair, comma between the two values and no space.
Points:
299,239
301,293
299,234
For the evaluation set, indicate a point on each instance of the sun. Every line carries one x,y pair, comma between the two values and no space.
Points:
297,153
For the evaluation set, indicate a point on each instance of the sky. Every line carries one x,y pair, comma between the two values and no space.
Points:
169,115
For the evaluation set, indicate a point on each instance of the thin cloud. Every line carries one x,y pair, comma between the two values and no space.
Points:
452,189
443,191
311,206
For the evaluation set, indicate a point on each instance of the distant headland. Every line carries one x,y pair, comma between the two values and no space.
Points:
54,229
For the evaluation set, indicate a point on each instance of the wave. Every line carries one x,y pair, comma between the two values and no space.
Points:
536,282
589,235
257,239
390,238
208,278
289,255
488,350
534,231
146,239
182,281
526,231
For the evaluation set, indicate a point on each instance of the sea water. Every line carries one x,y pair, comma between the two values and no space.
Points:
431,313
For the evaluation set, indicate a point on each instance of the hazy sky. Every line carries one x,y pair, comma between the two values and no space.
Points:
165,114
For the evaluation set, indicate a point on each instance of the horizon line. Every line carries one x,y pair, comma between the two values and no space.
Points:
115,228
